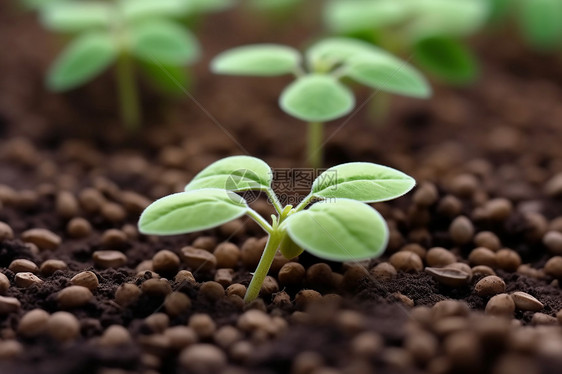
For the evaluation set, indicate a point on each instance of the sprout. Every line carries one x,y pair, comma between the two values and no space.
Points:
429,30
337,226
118,33
317,95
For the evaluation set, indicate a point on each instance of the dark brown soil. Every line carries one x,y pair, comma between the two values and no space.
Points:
504,132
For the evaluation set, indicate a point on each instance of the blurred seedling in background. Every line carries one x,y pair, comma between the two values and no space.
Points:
127,33
540,21
431,32
317,94
338,224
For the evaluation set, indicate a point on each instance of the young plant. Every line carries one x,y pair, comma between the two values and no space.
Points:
337,226
540,21
120,32
317,95
428,30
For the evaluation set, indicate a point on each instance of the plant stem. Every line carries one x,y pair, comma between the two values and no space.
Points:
315,151
263,267
128,96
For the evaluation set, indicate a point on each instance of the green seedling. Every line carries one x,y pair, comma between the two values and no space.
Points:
338,224
317,95
430,31
121,33
540,21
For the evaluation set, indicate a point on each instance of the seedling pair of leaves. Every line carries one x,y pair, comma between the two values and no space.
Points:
117,33
317,94
540,21
429,30
338,226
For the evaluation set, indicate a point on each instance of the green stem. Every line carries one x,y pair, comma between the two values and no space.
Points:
260,221
128,96
263,267
315,152
274,200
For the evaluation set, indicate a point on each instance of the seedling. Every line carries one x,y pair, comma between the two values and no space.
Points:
337,226
120,32
317,95
428,30
540,21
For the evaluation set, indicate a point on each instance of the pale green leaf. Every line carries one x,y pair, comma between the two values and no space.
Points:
388,73
541,22
87,56
258,60
330,52
446,58
344,16
362,181
186,212
317,98
164,42
77,16
234,173
135,10
339,230
39,4
208,6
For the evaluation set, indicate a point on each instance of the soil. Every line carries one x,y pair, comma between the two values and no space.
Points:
502,135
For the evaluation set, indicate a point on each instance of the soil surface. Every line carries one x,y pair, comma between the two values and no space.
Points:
488,163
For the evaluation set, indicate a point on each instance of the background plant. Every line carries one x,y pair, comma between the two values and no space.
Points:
121,32
338,226
317,95
540,21
430,31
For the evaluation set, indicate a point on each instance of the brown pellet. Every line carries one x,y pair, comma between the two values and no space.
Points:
63,326
157,322
236,289
487,239
449,206
114,239
22,265
4,284
543,319
464,185
203,325
33,323
269,286
227,255
180,336
66,205
133,202
50,266
115,336
498,209
177,303
524,301
10,349
165,261
439,257
463,349
113,212
74,297
449,276
9,305
553,241
109,259
226,336
207,243
483,256
422,346
156,287
508,259
253,320
461,230
198,259
251,251
406,261
203,358
306,297
79,228
292,273
553,267
489,286
449,308
6,232
211,291
501,305
224,276
425,195
127,294
42,238
383,271
27,279
483,270
319,276
86,279
184,276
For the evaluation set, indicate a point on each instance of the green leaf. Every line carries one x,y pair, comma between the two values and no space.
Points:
453,18
344,16
164,42
317,98
135,10
39,4
208,6
288,248
362,181
388,73
77,16
541,22
446,58
258,60
330,52
339,230
186,212
87,56
235,173
168,78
